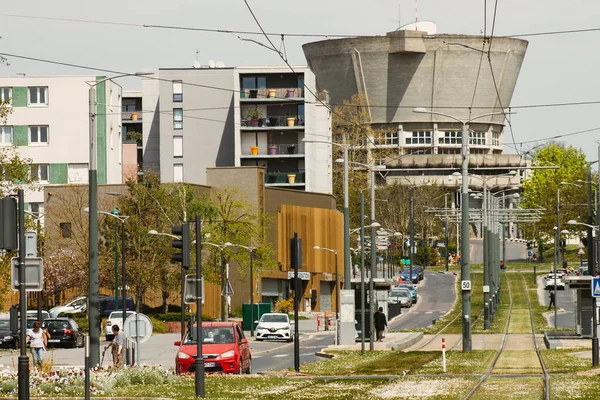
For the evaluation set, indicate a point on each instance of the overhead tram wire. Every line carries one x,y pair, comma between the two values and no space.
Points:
333,112
300,35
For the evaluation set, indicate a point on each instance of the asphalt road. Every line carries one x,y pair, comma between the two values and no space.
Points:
514,251
565,300
435,298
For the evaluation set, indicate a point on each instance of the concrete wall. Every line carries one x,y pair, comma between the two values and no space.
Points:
151,125
130,169
208,126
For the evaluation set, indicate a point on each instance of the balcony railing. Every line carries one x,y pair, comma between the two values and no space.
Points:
283,178
131,115
272,93
285,149
273,121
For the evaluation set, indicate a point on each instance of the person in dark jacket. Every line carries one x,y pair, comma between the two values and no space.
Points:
380,323
552,300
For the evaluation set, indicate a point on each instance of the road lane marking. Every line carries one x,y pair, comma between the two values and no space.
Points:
280,355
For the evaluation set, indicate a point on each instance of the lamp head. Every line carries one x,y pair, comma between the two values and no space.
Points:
339,160
420,110
153,232
227,244
375,225
144,72
86,210
571,222
456,173
564,231
317,247
556,228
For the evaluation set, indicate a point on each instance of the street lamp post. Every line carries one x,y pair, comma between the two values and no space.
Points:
251,251
465,248
337,292
93,278
595,355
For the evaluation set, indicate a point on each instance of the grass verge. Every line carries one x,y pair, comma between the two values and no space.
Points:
496,388
574,387
518,362
457,362
567,360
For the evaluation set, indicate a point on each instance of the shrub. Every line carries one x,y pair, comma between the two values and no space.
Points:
284,306
9,386
176,317
158,326
81,319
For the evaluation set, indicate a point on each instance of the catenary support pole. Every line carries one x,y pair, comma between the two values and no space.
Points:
124,285
373,269
23,363
465,269
362,273
199,373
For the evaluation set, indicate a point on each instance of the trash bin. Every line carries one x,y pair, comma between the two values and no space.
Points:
258,311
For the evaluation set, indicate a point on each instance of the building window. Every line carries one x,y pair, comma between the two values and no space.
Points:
38,95
6,135
391,138
445,150
451,137
495,139
78,173
477,138
178,118
38,135
177,146
35,208
177,91
39,172
254,82
65,230
6,95
178,172
419,137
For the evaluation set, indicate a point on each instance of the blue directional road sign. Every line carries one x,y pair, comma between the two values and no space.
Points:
596,287
529,253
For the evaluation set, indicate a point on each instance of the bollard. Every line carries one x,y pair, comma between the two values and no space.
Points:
444,354
326,321
87,367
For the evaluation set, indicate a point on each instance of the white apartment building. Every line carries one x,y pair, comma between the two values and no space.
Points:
49,124
242,116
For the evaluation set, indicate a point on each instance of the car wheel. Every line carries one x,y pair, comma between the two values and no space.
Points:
259,340
249,370
290,340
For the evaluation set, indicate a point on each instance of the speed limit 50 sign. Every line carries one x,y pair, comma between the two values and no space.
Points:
465,285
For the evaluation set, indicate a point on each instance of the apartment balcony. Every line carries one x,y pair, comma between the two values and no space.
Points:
274,150
285,179
290,122
131,116
271,95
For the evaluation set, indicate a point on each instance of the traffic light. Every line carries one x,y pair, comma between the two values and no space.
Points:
184,244
8,221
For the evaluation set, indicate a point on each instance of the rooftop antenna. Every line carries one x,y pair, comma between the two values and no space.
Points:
416,15
399,20
197,54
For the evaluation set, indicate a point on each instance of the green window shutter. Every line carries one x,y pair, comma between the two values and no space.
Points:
19,96
20,135
59,173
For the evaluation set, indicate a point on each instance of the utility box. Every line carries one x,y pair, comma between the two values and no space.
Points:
258,310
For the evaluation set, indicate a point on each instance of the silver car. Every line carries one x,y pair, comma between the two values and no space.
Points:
400,296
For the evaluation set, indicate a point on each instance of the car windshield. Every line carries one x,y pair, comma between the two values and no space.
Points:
217,334
58,325
4,324
119,314
407,285
399,293
274,318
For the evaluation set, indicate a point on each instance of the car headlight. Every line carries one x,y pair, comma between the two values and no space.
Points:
8,337
182,355
259,327
228,354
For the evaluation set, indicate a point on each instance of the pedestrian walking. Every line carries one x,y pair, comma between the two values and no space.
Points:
380,323
118,346
38,337
552,298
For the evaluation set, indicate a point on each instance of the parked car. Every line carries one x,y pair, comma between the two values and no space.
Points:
63,332
33,314
562,271
552,283
78,304
412,288
274,326
107,305
419,271
405,275
7,339
583,270
400,295
115,318
224,349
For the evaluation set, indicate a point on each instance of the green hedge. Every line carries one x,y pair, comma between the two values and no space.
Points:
176,317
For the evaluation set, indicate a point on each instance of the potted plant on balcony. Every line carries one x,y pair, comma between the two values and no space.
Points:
271,93
291,121
291,178
291,93
253,93
254,114
291,149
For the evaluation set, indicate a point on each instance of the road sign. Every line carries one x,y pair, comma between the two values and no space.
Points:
465,285
595,287
34,274
189,290
227,290
529,253
304,276
30,244
138,326
581,252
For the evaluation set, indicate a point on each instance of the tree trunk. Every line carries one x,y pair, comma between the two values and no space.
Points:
165,298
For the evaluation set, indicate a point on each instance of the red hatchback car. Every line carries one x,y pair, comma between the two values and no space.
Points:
224,348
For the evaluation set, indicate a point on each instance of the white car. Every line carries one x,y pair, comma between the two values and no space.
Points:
400,296
274,326
550,282
74,306
115,318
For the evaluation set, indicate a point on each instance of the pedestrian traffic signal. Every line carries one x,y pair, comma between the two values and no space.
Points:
8,227
183,231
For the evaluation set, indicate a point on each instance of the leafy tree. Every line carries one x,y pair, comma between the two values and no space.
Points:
540,187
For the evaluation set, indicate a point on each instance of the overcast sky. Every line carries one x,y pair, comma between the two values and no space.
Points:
557,68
